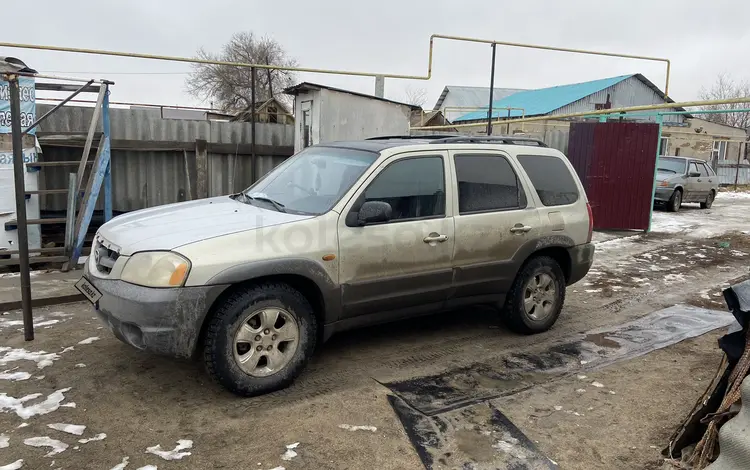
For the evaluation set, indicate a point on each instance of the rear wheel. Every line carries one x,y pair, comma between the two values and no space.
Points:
537,296
260,339
675,202
709,200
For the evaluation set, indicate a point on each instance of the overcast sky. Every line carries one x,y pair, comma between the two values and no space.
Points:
701,38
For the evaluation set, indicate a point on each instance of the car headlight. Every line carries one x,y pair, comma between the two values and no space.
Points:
664,184
156,269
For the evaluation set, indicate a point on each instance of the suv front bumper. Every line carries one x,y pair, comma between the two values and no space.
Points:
162,320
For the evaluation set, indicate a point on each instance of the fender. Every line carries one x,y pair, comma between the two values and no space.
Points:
306,268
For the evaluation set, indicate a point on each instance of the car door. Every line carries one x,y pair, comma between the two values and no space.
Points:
693,185
706,180
401,266
493,219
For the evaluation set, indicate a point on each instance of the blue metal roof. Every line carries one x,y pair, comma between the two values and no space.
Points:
544,100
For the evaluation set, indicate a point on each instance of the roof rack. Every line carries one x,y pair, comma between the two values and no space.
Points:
414,137
495,139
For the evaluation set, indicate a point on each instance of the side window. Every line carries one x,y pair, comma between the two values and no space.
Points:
692,168
414,187
487,183
702,169
551,178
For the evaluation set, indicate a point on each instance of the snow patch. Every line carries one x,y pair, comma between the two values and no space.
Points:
592,291
76,429
349,427
13,466
673,278
44,441
173,454
558,408
289,454
121,465
15,376
597,384
42,358
99,437
89,340
48,405
147,467
581,390
581,377
4,441
22,425
80,366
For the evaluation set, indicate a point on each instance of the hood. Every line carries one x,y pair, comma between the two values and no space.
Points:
665,175
173,225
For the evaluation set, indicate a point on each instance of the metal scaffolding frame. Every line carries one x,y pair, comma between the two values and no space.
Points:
76,228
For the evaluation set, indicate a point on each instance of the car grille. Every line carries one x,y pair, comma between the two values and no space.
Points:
104,255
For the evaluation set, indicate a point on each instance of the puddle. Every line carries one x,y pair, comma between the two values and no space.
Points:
472,438
515,372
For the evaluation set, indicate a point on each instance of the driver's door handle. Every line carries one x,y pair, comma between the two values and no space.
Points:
435,238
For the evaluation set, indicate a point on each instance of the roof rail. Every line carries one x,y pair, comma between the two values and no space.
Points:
496,139
415,137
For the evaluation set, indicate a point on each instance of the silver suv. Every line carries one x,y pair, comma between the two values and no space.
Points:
344,235
680,179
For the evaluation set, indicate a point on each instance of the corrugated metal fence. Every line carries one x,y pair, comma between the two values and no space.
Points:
153,159
731,172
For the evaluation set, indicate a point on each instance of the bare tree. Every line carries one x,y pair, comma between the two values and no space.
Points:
725,87
415,96
229,87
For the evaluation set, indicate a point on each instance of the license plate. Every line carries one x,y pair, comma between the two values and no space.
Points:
88,290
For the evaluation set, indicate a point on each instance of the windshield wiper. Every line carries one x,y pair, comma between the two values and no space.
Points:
276,204
666,169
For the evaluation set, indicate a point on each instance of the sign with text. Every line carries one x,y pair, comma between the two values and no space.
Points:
28,104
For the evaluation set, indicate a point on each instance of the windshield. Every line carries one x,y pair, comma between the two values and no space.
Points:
672,165
312,181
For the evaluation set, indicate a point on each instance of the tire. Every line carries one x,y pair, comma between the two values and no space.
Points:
675,202
252,310
517,315
709,200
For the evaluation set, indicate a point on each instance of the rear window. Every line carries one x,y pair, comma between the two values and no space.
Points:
551,178
487,183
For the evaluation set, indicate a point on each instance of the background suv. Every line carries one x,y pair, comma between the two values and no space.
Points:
339,236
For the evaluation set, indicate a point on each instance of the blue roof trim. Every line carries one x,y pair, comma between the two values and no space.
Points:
544,100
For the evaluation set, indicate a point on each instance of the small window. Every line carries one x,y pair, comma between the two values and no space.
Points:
551,178
664,146
702,169
414,187
719,151
487,183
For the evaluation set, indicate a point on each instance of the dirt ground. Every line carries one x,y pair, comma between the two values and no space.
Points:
140,401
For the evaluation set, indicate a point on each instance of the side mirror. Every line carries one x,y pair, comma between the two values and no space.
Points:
373,212
694,174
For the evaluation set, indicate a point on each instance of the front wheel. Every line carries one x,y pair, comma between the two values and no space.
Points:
259,339
709,200
675,202
537,296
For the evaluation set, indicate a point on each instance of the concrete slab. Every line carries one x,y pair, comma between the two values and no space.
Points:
47,288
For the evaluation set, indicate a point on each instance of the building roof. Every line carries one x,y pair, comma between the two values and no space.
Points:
307,86
546,100
473,96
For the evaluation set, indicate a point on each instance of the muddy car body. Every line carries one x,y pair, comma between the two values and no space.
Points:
340,236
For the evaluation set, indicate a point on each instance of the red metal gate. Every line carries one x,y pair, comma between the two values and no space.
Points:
615,161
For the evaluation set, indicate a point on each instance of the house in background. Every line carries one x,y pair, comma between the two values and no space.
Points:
455,101
422,118
607,93
271,111
328,114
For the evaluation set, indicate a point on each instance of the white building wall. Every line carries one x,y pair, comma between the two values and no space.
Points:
352,117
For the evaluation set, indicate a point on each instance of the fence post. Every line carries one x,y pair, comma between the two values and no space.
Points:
70,216
201,169
737,169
